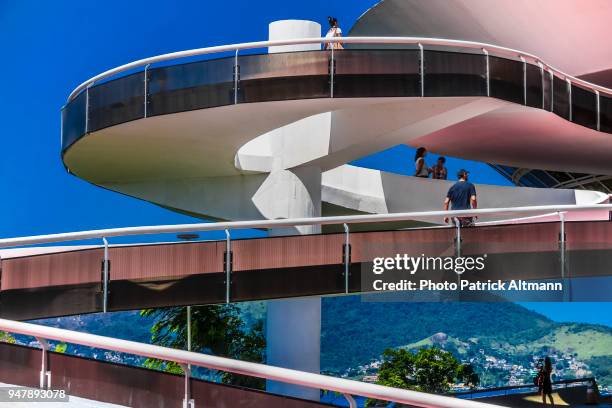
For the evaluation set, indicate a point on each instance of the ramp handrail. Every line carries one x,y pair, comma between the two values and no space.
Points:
345,40
286,375
283,223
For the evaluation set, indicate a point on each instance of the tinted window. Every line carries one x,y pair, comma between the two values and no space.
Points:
73,120
605,113
117,101
283,76
534,86
584,107
198,85
560,97
506,79
371,73
454,74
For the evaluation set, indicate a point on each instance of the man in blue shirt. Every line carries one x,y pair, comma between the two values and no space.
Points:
461,196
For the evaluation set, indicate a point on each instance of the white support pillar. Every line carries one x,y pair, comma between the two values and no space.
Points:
293,335
293,328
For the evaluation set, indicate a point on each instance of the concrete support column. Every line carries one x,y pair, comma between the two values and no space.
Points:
293,335
293,328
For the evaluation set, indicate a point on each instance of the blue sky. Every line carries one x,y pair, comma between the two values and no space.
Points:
52,46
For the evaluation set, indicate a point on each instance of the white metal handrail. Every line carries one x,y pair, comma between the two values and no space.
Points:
285,375
294,222
346,40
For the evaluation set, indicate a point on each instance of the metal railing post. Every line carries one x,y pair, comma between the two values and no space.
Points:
347,257
457,237
87,108
45,373
236,77
105,276
188,402
542,82
487,72
562,250
351,401
552,90
569,97
188,328
524,80
189,333
146,89
228,265
597,107
332,71
422,68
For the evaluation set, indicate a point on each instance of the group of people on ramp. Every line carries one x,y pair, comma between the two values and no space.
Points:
461,195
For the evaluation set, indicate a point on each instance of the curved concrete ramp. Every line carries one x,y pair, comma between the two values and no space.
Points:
378,192
200,140
171,274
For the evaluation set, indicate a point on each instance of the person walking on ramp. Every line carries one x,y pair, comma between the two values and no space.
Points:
461,196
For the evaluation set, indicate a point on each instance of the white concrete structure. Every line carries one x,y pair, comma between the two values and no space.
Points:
293,326
285,158
291,29
377,192
565,33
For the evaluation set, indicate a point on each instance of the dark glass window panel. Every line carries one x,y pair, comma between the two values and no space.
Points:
605,113
608,183
284,76
197,85
580,175
117,101
73,120
372,73
528,181
560,176
595,185
506,79
531,179
508,170
584,107
534,86
504,170
547,84
560,97
544,177
454,74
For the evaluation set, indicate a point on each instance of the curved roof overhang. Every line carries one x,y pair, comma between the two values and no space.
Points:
569,34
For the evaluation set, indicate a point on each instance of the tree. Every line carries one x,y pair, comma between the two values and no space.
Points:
6,337
215,329
429,370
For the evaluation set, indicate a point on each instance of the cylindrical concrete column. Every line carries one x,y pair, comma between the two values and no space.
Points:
293,336
293,327
290,29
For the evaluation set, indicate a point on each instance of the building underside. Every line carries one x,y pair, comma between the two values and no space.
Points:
520,24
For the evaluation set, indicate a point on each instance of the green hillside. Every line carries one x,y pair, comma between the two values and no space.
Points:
494,336
585,340
355,332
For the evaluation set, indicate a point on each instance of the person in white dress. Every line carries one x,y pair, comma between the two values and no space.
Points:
334,31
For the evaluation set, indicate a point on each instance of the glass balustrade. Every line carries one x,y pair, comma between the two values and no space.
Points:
349,73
